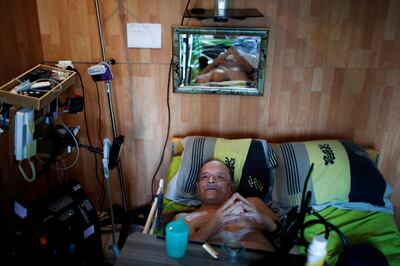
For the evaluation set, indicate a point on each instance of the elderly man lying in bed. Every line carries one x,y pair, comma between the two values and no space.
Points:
226,215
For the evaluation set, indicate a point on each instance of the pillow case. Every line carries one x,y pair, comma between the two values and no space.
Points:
343,176
249,160
168,205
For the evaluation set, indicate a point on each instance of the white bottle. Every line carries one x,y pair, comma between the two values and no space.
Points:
316,251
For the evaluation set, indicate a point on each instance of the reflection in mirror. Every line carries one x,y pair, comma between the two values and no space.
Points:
219,60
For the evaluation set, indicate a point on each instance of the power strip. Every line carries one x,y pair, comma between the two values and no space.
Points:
64,64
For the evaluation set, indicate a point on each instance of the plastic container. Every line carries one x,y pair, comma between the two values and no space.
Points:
232,251
177,236
316,251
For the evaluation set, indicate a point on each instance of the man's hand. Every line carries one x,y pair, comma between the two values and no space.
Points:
235,209
229,212
251,213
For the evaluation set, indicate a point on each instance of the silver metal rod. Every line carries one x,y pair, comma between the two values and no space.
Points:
111,107
112,113
111,210
114,128
100,26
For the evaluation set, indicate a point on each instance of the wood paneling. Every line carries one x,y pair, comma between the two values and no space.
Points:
20,42
20,50
333,71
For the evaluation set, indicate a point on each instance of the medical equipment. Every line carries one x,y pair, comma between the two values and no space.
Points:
25,144
60,228
100,72
106,154
292,231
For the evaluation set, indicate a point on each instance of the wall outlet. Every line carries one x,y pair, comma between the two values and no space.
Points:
65,63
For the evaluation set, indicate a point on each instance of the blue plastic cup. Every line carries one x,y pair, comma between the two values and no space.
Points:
177,236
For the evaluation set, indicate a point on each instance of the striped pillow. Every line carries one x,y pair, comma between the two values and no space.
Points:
343,176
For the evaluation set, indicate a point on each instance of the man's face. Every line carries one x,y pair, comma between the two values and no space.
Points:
215,184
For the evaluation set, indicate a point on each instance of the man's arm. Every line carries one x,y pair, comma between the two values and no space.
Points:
196,221
204,231
216,62
240,60
227,214
258,212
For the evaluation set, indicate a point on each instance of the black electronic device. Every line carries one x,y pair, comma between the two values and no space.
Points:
198,10
115,151
38,74
289,234
293,228
60,229
74,105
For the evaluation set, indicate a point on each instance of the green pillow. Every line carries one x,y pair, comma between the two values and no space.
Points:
360,227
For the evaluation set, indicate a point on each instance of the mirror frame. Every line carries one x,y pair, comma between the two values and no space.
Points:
258,90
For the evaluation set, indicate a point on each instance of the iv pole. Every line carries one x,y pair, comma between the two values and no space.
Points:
111,107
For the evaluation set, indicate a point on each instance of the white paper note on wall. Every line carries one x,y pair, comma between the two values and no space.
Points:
144,35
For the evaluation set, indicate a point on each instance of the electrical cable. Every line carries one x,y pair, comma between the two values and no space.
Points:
306,209
184,12
57,160
76,144
47,79
167,136
77,151
63,174
24,175
168,114
342,237
100,110
49,186
103,192
328,226
101,184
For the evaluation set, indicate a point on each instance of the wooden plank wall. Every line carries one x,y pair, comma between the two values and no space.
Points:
333,71
20,50
20,41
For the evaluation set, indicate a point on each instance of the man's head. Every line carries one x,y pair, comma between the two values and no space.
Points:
215,183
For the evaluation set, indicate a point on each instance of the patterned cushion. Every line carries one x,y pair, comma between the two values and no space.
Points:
343,176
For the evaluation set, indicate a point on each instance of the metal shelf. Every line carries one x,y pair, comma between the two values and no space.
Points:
222,15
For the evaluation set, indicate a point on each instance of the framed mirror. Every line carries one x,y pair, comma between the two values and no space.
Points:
219,60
